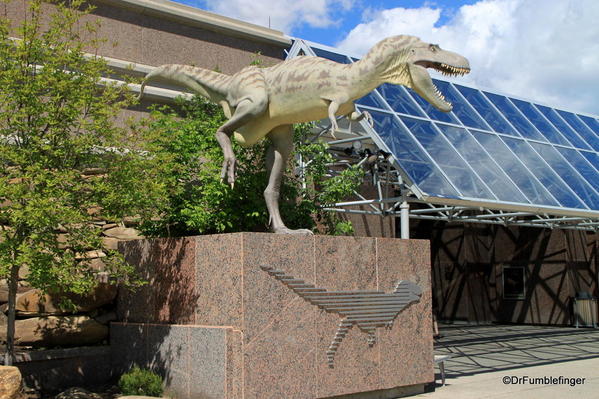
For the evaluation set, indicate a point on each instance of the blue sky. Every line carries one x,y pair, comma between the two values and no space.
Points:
543,50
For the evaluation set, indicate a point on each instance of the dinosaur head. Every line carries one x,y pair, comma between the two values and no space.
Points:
410,288
407,60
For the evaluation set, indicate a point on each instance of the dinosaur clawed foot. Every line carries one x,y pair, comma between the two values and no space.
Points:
334,128
285,230
228,170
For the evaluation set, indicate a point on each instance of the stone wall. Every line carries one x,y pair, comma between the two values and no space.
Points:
41,322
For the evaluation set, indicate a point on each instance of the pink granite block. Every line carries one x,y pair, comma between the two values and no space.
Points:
169,295
356,365
175,290
278,343
234,365
219,280
408,352
138,305
345,264
254,287
280,359
292,254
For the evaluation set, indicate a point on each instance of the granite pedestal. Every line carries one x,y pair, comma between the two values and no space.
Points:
217,324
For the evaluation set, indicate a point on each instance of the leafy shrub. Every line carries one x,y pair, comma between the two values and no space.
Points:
141,382
199,203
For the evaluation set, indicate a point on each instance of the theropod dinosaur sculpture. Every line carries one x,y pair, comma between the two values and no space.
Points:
365,309
260,102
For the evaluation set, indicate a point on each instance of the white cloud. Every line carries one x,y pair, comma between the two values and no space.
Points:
546,50
284,15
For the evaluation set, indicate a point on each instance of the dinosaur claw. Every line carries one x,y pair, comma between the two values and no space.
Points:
368,118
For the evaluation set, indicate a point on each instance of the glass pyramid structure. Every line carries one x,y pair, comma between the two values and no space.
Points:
493,151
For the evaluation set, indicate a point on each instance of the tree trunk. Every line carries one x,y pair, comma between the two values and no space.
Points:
13,283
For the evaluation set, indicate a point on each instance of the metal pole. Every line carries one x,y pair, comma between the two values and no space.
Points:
404,220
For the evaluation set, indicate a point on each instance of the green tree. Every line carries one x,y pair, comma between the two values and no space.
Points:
199,202
57,119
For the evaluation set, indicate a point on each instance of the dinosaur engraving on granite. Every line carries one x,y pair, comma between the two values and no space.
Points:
365,309
266,102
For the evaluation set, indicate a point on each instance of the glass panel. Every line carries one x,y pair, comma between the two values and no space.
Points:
545,175
448,160
590,122
431,111
586,133
592,157
411,158
486,110
460,108
535,192
399,100
566,130
581,165
540,123
372,100
330,55
480,161
524,127
568,174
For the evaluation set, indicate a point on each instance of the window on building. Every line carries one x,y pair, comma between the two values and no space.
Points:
514,281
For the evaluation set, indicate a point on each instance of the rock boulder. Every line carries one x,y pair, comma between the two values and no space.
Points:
4,290
34,303
123,233
10,382
58,331
77,393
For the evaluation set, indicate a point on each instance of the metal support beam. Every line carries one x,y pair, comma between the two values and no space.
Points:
405,220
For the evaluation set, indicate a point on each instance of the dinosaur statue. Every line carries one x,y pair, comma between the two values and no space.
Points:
366,309
266,102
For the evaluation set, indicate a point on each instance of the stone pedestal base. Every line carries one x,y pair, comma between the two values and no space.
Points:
242,315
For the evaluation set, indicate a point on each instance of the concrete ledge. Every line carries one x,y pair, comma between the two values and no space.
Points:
393,393
195,17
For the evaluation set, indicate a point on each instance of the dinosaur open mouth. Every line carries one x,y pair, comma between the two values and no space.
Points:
423,84
447,70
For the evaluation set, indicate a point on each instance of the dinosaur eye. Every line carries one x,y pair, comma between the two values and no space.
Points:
433,47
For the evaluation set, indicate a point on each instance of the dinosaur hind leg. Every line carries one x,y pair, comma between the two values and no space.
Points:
247,109
276,159
342,330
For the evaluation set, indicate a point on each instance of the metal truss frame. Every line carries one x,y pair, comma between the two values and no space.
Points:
396,195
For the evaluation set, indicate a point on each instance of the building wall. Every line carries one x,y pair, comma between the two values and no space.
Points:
467,264
155,39
369,225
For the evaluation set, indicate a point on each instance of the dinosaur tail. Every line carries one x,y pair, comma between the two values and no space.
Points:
209,84
300,287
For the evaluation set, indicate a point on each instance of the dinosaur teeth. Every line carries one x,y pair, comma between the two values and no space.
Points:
450,70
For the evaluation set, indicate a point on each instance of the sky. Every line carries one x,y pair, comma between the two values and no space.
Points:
543,50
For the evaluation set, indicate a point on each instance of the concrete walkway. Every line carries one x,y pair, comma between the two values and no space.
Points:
483,356
490,385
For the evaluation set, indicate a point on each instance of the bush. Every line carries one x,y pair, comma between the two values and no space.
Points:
141,382
187,152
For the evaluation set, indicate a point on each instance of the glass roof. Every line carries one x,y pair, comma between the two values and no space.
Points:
490,148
